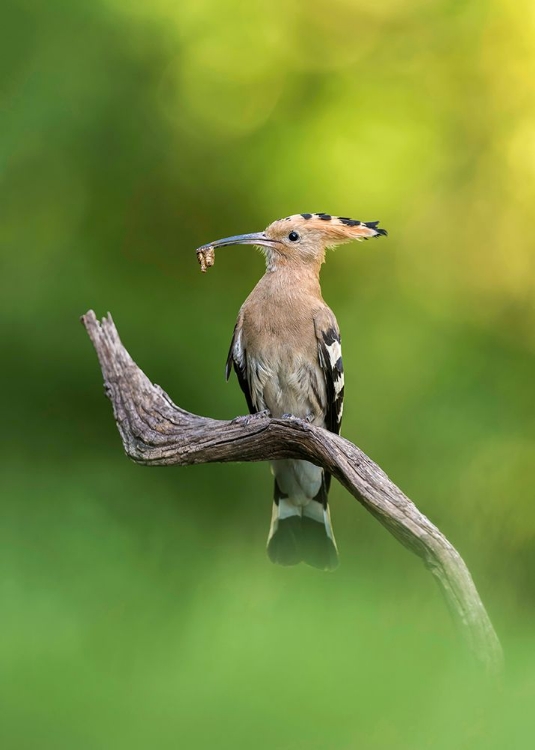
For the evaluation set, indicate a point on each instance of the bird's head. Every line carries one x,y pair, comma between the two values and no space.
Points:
302,238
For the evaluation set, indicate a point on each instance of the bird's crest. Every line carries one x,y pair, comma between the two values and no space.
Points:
338,228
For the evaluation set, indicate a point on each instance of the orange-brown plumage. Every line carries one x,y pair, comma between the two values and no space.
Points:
287,355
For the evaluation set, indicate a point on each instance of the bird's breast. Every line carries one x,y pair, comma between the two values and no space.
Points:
282,366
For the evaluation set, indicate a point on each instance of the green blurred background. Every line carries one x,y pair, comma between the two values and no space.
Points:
139,609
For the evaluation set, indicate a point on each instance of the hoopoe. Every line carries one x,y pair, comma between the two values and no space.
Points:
287,355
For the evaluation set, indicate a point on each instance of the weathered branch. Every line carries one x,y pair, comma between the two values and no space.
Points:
157,432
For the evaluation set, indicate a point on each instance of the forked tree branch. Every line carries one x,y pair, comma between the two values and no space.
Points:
157,432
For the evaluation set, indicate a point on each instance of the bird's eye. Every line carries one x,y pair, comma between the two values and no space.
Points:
293,236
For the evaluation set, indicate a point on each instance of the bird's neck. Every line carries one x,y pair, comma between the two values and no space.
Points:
308,260
289,263
291,280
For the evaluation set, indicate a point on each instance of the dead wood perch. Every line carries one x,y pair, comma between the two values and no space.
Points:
157,432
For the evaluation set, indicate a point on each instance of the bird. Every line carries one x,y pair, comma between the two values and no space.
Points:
286,353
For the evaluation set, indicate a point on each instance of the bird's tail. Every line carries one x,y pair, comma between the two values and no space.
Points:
302,533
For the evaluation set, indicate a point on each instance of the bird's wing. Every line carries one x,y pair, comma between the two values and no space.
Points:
237,358
330,361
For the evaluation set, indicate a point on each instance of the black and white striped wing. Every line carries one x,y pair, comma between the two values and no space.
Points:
237,358
330,360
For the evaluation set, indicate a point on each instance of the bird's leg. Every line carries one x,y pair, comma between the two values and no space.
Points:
248,418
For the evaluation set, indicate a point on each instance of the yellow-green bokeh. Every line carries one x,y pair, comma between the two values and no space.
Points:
138,606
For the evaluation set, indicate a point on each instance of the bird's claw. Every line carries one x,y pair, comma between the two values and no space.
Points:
309,417
246,419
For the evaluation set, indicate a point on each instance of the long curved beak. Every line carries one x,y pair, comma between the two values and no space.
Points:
256,238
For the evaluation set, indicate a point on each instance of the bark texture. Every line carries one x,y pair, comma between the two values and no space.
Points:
156,432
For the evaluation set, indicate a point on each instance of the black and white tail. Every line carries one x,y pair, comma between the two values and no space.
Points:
301,530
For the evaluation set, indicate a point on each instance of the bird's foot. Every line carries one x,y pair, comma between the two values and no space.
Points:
246,419
309,417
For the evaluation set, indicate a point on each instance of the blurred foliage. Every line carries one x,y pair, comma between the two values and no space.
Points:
138,606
